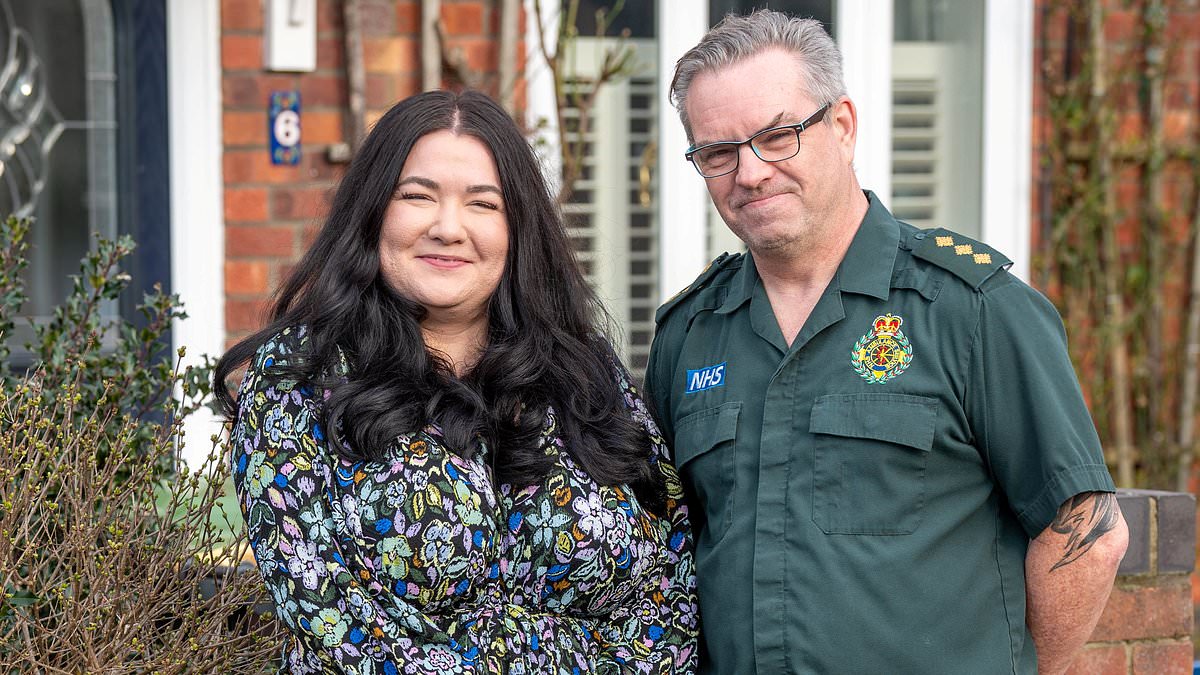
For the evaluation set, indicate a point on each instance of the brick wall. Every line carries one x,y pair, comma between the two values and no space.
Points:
1146,628
1124,28
272,212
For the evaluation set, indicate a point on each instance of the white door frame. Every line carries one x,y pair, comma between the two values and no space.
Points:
197,215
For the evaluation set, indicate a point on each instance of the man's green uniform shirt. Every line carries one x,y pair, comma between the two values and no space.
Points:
863,500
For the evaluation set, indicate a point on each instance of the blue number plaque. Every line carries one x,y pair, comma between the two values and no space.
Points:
284,121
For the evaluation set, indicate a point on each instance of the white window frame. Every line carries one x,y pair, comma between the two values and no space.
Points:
1008,130
867,69
197,216
682,196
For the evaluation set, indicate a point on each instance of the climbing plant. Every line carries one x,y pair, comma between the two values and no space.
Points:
1119,211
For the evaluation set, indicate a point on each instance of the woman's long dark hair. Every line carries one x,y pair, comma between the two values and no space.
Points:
546,338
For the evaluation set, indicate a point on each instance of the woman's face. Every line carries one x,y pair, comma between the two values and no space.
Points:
444,239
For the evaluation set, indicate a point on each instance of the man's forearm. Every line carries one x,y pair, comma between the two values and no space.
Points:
1069,573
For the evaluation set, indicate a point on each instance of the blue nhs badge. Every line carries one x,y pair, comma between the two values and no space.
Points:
705,378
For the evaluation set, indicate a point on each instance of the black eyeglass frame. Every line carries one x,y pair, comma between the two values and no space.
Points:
798,127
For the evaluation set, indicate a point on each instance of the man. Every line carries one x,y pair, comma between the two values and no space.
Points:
891,464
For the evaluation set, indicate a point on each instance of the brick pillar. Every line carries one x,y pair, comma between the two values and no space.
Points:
1146,628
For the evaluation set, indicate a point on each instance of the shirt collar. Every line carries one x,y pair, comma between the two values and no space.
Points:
866,268
741,286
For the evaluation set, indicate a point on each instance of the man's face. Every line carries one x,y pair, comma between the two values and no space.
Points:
777,208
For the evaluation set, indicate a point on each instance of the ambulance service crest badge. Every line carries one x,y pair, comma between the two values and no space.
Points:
883,353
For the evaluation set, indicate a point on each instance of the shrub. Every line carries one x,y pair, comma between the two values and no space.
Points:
111,559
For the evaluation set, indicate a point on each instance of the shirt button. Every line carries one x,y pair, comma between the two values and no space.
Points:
919,235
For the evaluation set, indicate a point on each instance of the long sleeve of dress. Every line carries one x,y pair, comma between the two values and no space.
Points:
283,476
657,634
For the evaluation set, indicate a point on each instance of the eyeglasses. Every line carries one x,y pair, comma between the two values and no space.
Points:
770,145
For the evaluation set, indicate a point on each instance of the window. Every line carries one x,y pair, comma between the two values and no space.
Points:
58,119
83,142
612,216
937,113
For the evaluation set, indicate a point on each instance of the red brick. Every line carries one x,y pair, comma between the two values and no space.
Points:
1181,94
254,166
381,90
1182,25
1100,660
238,167
1129,128
1174,191
321,127
1177,126
285,270
245,315
241,15
245,205
322,90
1122,25
378,17
329,15
309,235
1054,27
1124,95
318,168
389,55
298,203
253,90
331,53
481,53
245,277
462,18
245,128
407,84
1160,611
408,17
241,52
1162,658
519,102
1128,183
265,241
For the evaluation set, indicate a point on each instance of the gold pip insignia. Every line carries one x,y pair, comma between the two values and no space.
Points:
883,353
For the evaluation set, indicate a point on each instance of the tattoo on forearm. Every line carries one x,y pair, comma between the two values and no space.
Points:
1084,518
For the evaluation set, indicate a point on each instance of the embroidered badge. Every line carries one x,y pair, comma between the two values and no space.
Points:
705,378
883,353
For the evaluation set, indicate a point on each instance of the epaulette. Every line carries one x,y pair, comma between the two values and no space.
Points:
701,281
970,260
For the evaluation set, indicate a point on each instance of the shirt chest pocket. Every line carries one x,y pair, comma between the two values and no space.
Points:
870,456
704,452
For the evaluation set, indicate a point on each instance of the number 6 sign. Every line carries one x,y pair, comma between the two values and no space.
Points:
285,127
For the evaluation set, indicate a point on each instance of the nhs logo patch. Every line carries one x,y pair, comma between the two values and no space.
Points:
705,378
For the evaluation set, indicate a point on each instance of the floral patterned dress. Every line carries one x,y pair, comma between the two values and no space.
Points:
420,564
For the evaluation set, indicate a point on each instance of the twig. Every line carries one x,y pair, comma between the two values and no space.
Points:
1153,230
356,75
1111,260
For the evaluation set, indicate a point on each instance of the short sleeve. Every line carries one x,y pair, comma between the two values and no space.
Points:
1026,408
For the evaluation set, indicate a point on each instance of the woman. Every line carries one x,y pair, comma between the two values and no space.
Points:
442,464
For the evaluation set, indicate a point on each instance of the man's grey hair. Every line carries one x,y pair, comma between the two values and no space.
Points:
740,37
